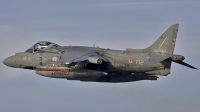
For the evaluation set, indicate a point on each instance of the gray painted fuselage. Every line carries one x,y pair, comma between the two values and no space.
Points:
120,61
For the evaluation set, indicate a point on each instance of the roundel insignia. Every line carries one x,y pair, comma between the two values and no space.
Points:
130,60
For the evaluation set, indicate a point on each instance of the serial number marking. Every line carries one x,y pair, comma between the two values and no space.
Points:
139,62
60,73
160,50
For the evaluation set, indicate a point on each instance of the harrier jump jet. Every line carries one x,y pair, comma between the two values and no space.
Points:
101,65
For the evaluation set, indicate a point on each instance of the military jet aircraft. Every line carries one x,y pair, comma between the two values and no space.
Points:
101,65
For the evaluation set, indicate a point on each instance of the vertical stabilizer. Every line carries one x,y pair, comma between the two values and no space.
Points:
166,42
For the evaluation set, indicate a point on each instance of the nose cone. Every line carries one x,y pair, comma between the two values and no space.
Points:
9,61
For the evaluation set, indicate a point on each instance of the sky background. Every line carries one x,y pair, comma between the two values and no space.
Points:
114,24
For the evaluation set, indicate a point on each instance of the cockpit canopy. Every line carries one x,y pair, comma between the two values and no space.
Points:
40,45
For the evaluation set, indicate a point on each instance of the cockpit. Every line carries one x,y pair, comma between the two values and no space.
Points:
40,45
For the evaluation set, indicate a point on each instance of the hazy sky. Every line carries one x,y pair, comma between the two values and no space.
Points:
114,24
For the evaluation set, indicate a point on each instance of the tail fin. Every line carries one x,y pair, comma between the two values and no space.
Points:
166,42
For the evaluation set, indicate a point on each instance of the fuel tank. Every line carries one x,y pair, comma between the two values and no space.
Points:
64,72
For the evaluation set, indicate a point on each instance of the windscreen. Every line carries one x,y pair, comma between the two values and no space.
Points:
39,45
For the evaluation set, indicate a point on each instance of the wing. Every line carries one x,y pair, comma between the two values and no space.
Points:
81,54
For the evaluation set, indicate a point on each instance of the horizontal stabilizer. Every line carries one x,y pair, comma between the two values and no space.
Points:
185,64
